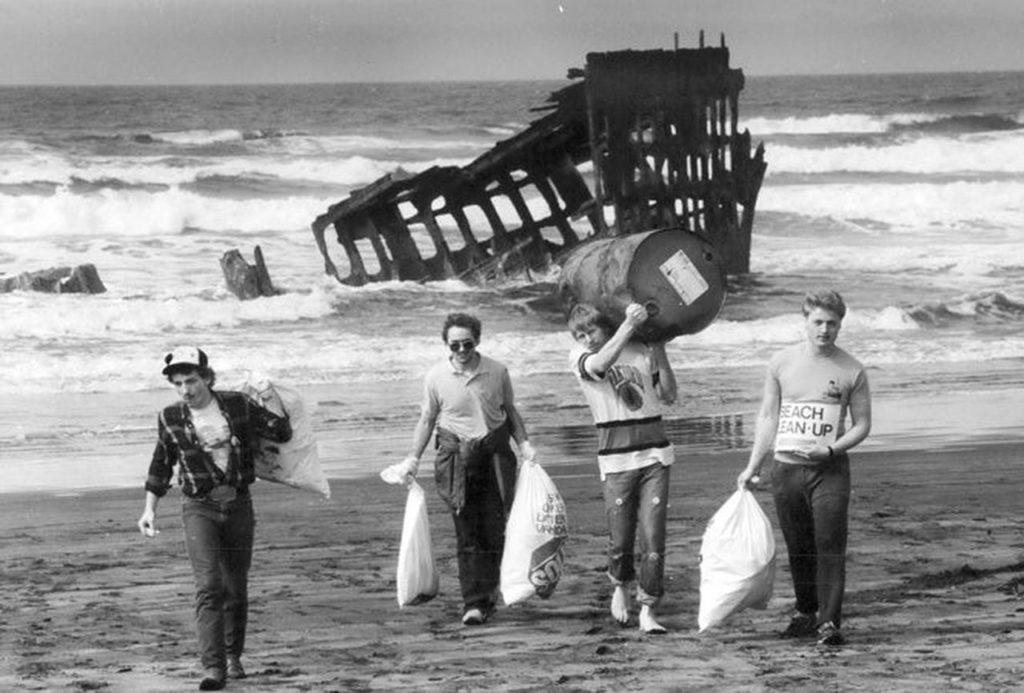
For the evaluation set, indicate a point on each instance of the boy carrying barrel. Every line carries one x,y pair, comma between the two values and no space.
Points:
625,382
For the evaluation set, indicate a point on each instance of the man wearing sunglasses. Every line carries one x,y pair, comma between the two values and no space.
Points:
468,399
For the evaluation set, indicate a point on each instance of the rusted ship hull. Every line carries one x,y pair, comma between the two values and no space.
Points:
642,140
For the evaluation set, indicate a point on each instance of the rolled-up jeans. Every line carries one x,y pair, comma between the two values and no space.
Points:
219,538
636,505
811,502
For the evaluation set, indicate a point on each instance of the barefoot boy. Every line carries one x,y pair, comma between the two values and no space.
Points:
623,381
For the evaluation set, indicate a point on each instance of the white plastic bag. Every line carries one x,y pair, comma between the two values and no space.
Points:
297,462
534,537
737,560
417,576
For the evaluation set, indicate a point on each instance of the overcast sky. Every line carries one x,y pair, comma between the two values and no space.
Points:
239,41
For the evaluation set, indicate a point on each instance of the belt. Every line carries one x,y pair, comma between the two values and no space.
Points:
224,493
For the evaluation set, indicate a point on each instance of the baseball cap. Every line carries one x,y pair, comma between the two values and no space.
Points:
184,356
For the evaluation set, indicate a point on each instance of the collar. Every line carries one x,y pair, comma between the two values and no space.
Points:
472,370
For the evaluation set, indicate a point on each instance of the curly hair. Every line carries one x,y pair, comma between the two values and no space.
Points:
461,320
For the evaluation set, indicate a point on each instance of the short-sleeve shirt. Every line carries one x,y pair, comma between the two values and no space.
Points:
626,410
816,392
469,404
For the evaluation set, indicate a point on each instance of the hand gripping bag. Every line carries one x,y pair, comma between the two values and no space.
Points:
297,462
417,578
534,538
737,560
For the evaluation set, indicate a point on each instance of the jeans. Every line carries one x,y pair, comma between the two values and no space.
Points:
480,535
636,504
219,538
811,502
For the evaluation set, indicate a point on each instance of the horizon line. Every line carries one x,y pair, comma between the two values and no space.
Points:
488,80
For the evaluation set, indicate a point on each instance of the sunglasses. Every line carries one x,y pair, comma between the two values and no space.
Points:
462,345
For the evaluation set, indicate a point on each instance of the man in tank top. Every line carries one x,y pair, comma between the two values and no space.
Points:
810,391
625,382
210,436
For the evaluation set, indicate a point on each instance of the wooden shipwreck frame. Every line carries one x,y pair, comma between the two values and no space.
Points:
642,140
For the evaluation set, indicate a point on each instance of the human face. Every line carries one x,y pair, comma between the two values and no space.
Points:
592,338
193,390
462,345
822,327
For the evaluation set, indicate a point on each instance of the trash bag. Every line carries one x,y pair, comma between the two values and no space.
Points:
737,560
534,538
297,462
417,576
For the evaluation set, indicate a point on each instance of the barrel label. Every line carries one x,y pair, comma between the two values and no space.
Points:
684,277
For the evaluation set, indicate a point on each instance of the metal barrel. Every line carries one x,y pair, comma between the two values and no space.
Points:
677,275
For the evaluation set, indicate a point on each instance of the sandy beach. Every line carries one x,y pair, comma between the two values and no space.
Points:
934,594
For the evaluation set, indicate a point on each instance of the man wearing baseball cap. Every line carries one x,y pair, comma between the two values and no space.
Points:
210,435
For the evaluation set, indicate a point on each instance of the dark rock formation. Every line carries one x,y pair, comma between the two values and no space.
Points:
244,280
83,279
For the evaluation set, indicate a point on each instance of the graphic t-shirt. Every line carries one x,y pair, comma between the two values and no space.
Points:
626,410
816,392
214,432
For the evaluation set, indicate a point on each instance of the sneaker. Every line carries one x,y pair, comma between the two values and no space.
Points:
474,617
800,626
235,669
829,635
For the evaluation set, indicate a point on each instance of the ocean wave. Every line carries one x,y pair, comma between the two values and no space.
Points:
123,172
133,212
202,138
980,308
197,137
960,124
1001,153
837,123
860,123
83,317
949,209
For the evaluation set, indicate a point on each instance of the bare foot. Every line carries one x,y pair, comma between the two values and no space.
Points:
648,624
620,604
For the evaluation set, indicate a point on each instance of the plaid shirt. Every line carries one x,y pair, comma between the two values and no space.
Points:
179,444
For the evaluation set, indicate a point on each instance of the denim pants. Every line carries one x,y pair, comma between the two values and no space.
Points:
636,504
219,538
811,502
480,535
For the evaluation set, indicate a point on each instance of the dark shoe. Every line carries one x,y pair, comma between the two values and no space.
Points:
213,680
829,635
800,626
235,670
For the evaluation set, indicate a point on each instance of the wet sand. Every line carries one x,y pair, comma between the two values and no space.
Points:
934,595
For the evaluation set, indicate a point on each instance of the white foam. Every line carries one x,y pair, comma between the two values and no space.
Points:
198,137
354,169
992,153
139,213
834,123
952,205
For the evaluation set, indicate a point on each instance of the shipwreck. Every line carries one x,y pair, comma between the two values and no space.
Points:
639,140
